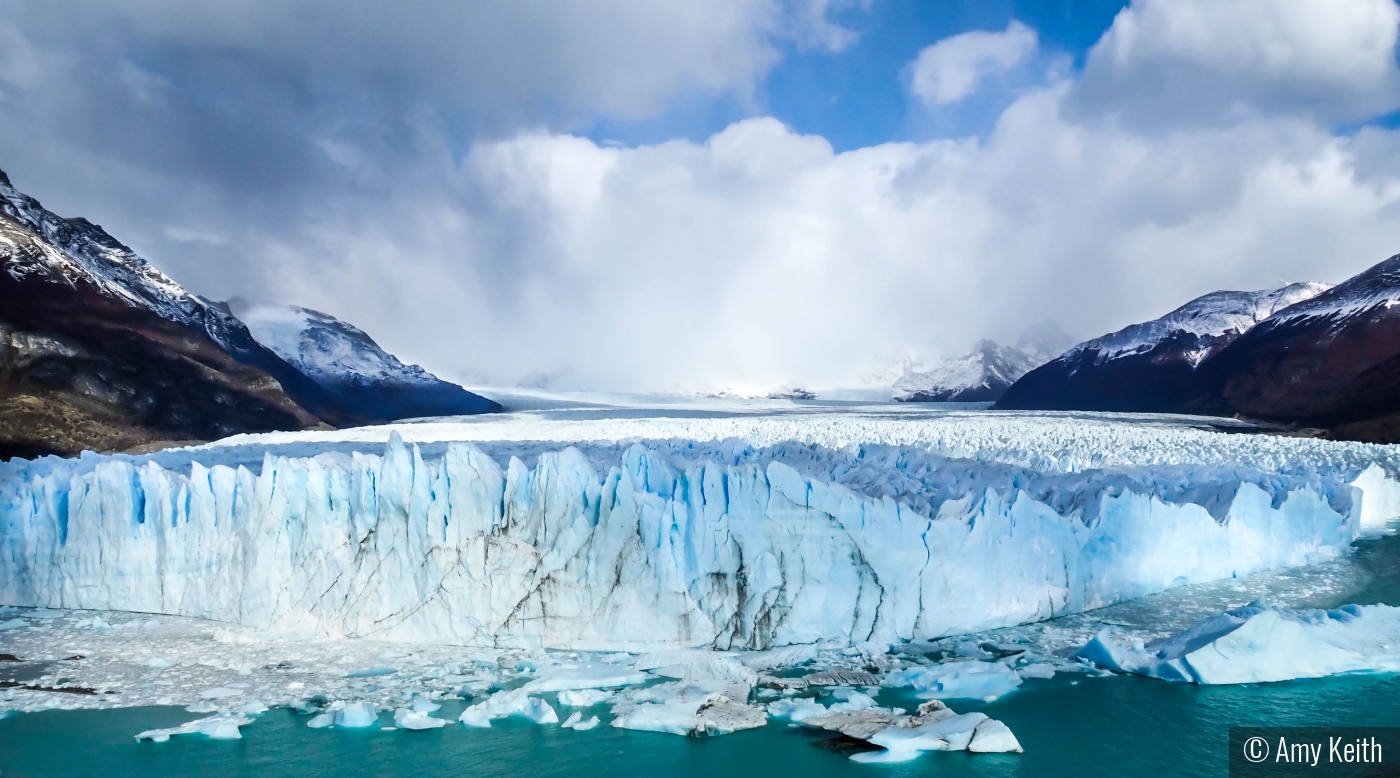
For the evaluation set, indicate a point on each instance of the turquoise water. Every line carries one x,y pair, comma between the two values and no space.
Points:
1071,725
1096,727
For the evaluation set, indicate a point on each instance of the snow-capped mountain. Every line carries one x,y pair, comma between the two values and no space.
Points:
1153,365
348,363
100,350
1330,361
983,375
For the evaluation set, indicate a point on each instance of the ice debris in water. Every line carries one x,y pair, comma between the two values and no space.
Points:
355,715
221,727
577,722
515,702
971,679
1260,643
691,708
407,718
934,727
583,698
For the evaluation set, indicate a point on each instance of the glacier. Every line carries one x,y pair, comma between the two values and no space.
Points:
663,544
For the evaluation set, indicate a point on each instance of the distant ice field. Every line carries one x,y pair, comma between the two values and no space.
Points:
1039,440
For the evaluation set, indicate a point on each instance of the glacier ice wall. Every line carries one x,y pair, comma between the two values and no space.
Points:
655,552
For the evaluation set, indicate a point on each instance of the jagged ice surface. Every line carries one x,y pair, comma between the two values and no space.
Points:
660,546
1260,643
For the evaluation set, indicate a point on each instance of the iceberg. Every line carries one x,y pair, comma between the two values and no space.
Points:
649,547
353,715
1261,643
577,723
515,702
221,727
583,698
407,718
933,727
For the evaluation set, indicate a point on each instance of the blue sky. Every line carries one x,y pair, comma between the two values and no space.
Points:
856,97
714,194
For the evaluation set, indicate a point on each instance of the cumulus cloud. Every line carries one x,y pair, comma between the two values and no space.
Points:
761,257
1169,61
953,68
758,256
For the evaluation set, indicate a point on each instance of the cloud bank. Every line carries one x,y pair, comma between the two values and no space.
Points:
418,174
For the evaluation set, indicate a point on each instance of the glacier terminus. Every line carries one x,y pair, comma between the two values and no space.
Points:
605,538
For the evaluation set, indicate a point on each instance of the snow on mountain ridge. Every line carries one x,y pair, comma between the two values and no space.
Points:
1212,315
324,347
977,376
86,251
1377,286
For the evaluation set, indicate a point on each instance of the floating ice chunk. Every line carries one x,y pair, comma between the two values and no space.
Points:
353,715
994,737
583,698
901,744
476,716
859,724
577,722
407,718
159,663
566,676
423,705
356,715
221,727
13,624
515,702
252,708
687,708
539,711
798,710
978,680
1260,643
8,610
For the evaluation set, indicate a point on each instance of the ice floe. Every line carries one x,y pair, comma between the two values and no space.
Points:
220,727
1261,643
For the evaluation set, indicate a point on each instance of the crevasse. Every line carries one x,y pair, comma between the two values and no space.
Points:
654,553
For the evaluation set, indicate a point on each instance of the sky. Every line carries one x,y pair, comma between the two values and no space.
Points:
640,195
